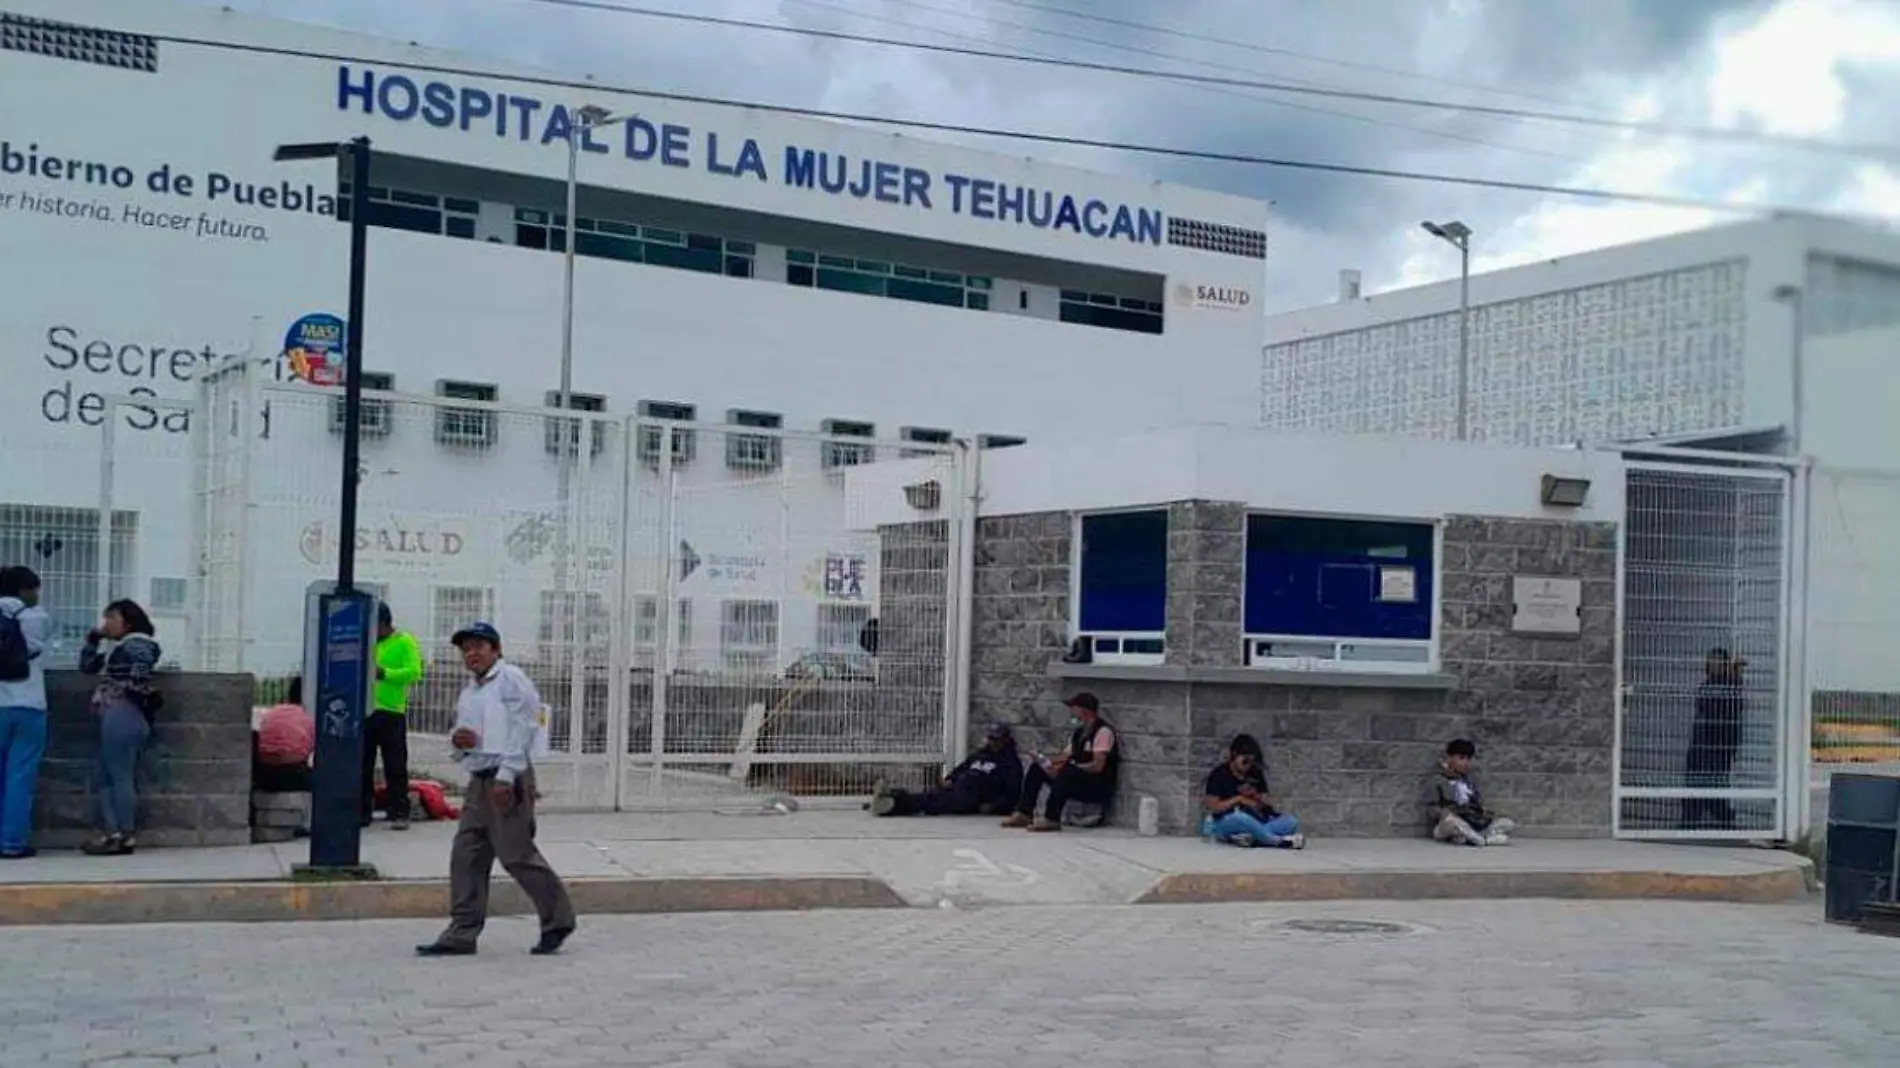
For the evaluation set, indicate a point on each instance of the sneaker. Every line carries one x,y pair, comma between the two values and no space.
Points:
883,805
22,853
1293,841
1016,821
399,824
1244,841
1042,826
1497,838
110,845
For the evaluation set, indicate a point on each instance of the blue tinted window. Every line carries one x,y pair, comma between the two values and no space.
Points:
1124,572
1321,578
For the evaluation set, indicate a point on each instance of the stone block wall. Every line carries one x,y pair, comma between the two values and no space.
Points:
1350,754
195,779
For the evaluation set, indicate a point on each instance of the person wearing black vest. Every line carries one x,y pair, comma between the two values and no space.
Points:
1086,772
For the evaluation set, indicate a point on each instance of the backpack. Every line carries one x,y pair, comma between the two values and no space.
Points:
16,663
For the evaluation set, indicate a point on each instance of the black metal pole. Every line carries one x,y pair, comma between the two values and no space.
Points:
359,152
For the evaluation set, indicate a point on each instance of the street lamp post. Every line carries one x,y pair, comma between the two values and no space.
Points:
1459,236
340,634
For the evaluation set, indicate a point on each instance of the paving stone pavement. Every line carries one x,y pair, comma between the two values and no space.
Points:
1456,985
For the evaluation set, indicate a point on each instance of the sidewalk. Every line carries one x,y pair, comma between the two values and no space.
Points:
625,863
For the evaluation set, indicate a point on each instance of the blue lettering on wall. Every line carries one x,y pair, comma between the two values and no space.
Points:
469,108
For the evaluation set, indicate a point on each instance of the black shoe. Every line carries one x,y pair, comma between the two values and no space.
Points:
399,824
445,949
22,853
551,942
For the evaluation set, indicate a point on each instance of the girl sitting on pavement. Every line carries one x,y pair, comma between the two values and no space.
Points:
1238,810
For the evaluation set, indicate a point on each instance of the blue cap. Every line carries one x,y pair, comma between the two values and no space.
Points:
477,632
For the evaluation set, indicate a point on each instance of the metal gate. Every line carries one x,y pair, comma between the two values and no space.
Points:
1707,694
695,602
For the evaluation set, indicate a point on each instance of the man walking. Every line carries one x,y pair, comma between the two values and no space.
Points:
398,667
496,720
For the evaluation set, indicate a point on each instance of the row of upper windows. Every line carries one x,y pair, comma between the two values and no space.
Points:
427,213
846,442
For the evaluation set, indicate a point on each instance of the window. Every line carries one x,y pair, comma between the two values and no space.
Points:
168,596
467,427
753,452
646,628
924,436
561,630
748,635
576,402
1122,585
417,212
847,453
456,607
999,441
839,626
1107,310
1346,592
878,278
374,416
685,442
628,242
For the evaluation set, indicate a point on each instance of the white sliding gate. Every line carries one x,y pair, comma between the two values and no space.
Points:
692,600
1708,574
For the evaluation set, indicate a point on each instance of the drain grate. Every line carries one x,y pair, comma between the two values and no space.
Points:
1339,928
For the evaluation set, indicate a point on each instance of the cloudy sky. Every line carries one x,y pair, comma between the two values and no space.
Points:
1821,69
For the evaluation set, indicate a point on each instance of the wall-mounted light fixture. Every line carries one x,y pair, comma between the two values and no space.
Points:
1560,491
924,496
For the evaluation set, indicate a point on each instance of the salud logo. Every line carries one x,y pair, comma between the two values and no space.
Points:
1215,298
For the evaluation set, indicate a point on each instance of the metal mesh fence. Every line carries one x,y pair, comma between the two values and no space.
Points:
1854,616
1702,687
698,605
761,658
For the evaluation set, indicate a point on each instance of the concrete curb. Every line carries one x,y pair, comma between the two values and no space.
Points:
23,904
1768,887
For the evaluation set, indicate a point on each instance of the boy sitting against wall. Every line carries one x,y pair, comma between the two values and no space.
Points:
1458,810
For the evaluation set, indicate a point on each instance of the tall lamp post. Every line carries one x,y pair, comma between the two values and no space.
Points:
339,639
1459,236
586,119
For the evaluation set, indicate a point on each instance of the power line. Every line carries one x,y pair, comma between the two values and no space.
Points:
1205,155
1139,50
1703,133
1270,50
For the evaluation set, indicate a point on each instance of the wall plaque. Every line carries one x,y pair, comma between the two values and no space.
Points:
1541,605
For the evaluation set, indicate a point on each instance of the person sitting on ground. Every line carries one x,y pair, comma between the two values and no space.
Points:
1238,809
1087,772
986,783
1458,807
281,746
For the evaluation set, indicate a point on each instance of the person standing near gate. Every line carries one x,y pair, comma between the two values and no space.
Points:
398,667
1715,735
497,718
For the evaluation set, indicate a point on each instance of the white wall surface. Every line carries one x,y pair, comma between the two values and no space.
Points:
1363,476
1626,341
1851,389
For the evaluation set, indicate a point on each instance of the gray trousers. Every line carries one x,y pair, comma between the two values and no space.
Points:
489,833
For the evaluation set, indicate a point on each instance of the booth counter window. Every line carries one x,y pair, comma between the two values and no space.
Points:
1340,593
1121,584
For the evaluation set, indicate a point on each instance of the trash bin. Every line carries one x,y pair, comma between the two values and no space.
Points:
1863,844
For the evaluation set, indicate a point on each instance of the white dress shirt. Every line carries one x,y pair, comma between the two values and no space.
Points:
504,709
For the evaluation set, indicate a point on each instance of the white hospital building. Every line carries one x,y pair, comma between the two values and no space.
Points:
848,293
